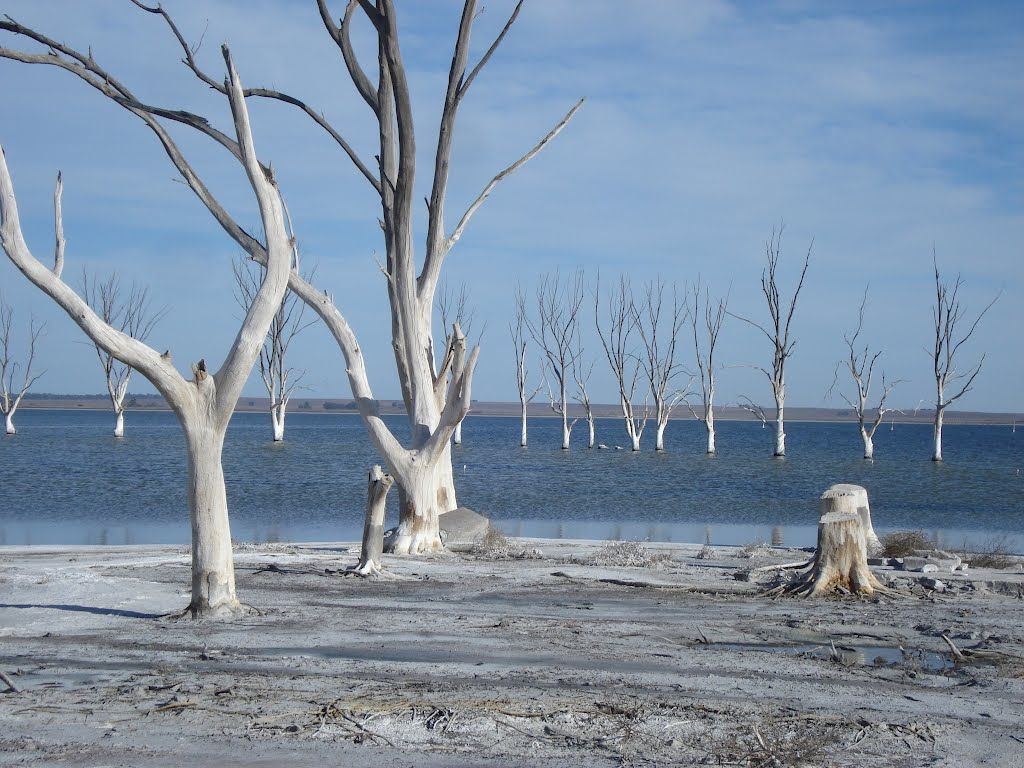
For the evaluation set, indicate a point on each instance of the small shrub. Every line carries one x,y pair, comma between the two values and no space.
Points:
629,554
497,546
902,543
753,549
993,553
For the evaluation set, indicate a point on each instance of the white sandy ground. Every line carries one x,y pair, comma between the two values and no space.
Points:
465,660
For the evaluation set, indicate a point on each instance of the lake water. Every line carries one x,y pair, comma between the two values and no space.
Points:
64,479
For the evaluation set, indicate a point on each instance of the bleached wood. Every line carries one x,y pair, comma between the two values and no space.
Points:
372,550
948,316
860,494
617,331
840,557
659,332
860,362
713,316
778,332
205,403
11,394
518,332
410,295
130,314
556,331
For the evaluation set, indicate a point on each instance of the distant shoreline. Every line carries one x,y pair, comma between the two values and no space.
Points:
346,407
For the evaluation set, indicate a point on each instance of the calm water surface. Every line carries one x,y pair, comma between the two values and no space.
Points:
65,479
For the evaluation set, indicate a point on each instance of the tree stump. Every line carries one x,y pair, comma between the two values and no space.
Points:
864,510
840,559
372,552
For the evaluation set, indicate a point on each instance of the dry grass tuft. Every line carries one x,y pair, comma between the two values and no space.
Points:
629,554
994,552
497,546
902,543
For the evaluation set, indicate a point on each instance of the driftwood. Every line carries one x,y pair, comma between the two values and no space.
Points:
11,687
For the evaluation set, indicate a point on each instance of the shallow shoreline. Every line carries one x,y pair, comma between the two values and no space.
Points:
560,658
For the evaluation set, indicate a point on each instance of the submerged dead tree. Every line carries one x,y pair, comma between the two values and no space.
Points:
618,332
436,396
203,404
12,386
556,331
712,317
454,309
659,328
949,315
581,373
132,315
279,380
518,332
778,330
860,362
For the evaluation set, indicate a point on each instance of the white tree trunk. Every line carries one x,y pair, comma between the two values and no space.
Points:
9,419
277,414
119,423
635,438
869,444
709,424
937,453
780,430
659,436
421,504
565,430
371,554
457,438
590,439
840,558
522,428
213,572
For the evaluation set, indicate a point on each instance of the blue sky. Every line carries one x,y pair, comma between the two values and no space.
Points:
879,130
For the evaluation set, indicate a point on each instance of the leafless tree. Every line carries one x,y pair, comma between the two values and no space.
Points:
518,332
582,370
949,315
556,331
11,393
860,362
454,308
133,316
205,403
778,330
618,331
659,327
280,380
433,404
713,315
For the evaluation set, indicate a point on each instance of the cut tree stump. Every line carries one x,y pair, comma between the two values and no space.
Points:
840,560
372,552
864,510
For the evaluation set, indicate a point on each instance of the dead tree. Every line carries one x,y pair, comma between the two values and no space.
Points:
659,333
713,316
372,549
518,332
556,331
453,308
11,393
133,316
434,406
581,373
280,380
948,316
860,362
205,403
778,330
618,333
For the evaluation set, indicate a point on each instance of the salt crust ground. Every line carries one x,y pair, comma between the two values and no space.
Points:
461,660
